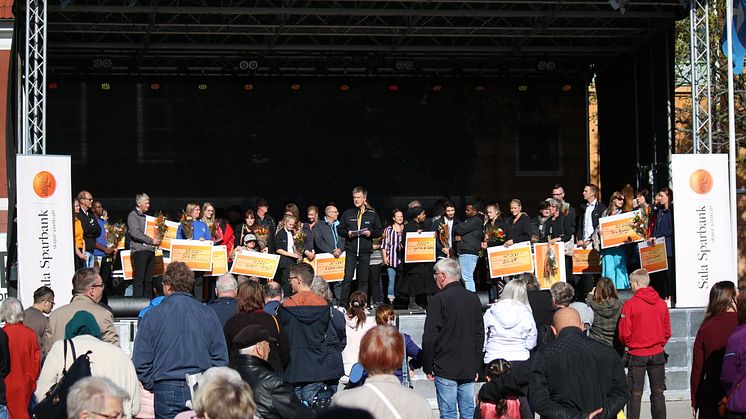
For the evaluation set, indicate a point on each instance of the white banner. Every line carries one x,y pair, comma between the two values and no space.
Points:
701,225
45,227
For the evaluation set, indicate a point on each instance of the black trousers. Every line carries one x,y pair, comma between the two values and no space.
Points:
143,263
357,266
655,368
374,284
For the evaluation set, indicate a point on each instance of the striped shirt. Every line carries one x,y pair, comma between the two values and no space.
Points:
391,244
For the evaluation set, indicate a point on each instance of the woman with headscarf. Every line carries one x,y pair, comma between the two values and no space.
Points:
417,279
25,358
107,360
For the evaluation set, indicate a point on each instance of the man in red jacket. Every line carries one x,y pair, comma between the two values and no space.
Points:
644,328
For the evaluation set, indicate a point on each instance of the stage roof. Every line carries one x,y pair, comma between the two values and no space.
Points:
480,38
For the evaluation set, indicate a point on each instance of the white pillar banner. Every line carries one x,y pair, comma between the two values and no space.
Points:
701,225
45,228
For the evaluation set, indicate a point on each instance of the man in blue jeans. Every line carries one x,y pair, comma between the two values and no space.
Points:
469,237
452,341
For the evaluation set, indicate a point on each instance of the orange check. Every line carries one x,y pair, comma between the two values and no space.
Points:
420,247
550,263
330,268
197,254
127,269
219,261
617,230
653,257
513,260
586,261
258,264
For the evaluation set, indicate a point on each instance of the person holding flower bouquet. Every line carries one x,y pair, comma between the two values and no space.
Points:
142,248
444,225
105,253
192,228
289,254
494,230
614,259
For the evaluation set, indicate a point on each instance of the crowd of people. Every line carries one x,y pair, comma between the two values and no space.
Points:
293,346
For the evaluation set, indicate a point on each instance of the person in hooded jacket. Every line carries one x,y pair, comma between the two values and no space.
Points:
604,301
510,334
305,316
357,323
644,328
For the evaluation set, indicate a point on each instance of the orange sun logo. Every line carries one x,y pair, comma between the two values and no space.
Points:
701,181
44,184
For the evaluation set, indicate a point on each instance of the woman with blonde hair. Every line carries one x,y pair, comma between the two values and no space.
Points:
614,259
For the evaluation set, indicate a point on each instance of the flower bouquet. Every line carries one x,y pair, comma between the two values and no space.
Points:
114,233
160,226
443,234
261,234
640,224
299,241
187,230
495,233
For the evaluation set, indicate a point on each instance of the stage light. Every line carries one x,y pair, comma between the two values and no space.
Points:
202,86
399,65
566,88
105,86
480,88
522,88
295,87
155,86
393,88
52,86
551,65
409,65
106,63
249,87
437,87
344,87
97,63
542,65
243,65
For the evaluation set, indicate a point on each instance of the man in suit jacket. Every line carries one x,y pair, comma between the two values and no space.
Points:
590,212
88,288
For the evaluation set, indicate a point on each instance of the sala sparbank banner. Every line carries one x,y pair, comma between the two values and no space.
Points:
702,233
44,223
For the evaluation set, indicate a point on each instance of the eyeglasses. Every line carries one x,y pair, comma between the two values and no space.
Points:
293,277
438,273
119,415
619,198
101,285
49,301
86,199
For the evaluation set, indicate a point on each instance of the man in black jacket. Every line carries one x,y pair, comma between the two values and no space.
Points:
469,237
358,226
576,376
91,229
452,341
590,211
449,221
274,397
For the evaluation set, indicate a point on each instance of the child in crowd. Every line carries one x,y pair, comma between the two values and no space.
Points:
497,398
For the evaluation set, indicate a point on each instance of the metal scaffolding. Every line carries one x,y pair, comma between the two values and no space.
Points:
701,77
33,124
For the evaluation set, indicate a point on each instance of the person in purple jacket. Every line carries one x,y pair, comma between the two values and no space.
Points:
733,373
385,316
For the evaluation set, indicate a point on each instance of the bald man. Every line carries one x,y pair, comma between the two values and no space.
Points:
576,376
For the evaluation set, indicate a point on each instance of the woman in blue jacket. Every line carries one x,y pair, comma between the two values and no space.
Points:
200,231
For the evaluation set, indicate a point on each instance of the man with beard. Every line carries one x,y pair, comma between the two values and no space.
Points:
448,222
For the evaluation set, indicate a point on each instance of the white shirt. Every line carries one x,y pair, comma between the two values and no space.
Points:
291,242
449,223
588,220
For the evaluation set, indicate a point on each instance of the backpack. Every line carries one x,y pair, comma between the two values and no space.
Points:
54,405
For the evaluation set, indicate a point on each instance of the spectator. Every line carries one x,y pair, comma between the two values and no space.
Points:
88,287
274,397
335,339
91,229
25,359
604,301
358,323
222,394
305,316
272,297
709,348
452,341
562,294
251,312
358,225
576,376
180,336
142,248
386,316
157,297
4,371
497,397
381,353
644,328
93,397
225,304
34,317
734,369
539,300
107,361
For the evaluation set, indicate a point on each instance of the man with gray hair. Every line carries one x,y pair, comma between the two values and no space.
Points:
225,305
95,397
88,288
272,297
142,248
452,341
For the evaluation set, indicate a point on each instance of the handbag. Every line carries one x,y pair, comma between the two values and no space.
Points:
54,404
723,403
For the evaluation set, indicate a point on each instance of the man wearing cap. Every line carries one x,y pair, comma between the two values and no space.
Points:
274,397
